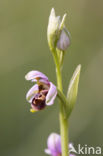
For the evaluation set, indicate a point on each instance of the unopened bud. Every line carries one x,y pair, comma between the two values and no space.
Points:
64,40
57,34
53,27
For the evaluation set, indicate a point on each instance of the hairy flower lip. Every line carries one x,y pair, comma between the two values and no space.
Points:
43,87
38,102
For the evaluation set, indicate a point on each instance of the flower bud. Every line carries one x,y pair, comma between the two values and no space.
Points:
53,27
64,40
57,34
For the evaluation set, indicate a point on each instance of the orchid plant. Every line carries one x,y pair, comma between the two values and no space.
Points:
44,92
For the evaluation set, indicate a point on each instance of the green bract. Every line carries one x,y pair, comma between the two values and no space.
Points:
73,90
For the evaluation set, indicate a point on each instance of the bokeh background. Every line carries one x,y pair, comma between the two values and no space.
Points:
23,47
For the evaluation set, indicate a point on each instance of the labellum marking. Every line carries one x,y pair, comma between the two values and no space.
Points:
39,100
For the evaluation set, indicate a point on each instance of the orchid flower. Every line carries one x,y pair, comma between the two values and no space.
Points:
54,145
42,93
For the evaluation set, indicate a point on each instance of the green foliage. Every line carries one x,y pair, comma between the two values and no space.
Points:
73,90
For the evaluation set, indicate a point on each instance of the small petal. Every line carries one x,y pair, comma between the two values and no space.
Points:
51,94
31,93
54,144
35,75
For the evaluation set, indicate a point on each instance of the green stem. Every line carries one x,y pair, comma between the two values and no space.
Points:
62,97
63,120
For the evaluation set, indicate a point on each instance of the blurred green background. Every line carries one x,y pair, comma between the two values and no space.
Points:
23,47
